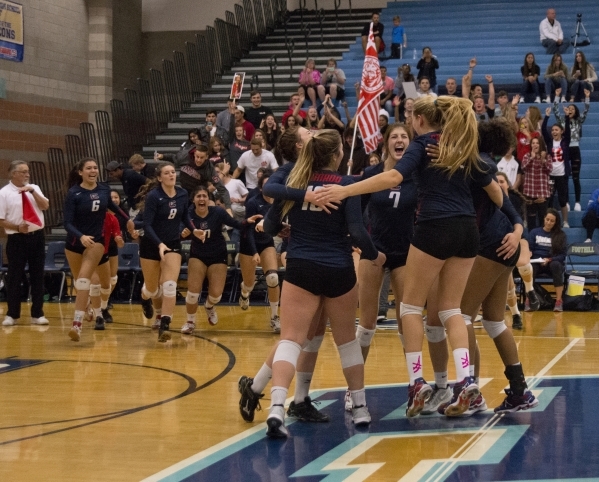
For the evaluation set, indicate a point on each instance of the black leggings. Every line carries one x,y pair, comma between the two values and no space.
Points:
589,221
560,187
576,162
554,268
535,213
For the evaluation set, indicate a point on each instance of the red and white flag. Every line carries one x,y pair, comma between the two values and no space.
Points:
371,88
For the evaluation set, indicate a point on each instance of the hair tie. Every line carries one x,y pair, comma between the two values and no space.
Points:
435,102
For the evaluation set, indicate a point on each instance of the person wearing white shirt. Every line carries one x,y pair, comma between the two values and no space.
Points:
26,242
511,167
552,37
252,160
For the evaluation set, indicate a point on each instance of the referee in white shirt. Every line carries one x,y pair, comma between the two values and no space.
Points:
26,242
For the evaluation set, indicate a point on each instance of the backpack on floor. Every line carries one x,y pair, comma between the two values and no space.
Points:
544,296
583,302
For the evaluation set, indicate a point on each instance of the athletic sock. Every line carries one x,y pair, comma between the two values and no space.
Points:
302,386
414,362
274,309
262,378
461,358
441,379
358,397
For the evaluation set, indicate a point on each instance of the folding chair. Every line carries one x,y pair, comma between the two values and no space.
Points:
56,263
582,259
129,263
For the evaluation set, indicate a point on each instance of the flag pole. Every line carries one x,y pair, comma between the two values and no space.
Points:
350,162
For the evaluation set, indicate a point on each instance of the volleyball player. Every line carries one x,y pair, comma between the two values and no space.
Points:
208,256
164,207
446,238
319,266
85,208
391,214
259,248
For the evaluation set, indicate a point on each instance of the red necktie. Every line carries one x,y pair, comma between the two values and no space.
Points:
29,214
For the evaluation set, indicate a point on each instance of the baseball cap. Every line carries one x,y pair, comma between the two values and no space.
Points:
240,108
113,166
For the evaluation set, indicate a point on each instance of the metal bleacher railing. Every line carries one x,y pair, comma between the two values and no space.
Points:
145,112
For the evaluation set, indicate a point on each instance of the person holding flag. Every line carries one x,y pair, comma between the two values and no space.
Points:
367,115
21,216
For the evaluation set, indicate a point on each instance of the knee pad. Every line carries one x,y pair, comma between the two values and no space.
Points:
288,351
148,294
364,336
434,334
169,289
350,354
272,278
313,345
192,298
105,291
446,314
525,270
247,289
94,290
409,310
113,280
157,294
82,284
212,300
494,328
467,319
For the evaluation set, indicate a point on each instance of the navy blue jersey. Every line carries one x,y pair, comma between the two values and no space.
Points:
250,237
391,213
163,215
325,238
539,241
493,223
212,225
275,187
85,210
439,195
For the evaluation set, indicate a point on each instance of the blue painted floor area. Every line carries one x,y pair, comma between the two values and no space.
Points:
557,440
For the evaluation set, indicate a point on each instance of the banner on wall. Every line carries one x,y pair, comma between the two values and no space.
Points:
11,31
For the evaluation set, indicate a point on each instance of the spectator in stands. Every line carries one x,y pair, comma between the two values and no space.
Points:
332,82
21,215
399,38
556,76
427,67
576,121
374,159
483,113
523,137
387,95
312,119
259,134
469,90
331,118
530,77
404,110
552,37
291,122
271,129
583,76
237,191
237,147
295,104
253,160
558,147
383,121
359,158
257,112
507,109
533,114
138,164
424,88
186,150
404,74
377,30
131,180
591,215
309,79
248,128
511,168
452,86
201,172
223,119
217,152
536,165
549,243
210,129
